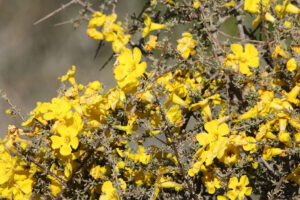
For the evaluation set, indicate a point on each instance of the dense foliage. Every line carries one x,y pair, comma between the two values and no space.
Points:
198,118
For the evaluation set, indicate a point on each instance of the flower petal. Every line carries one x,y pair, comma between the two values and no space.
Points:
65,150
137,55
237,49
244,180
56,141
74,142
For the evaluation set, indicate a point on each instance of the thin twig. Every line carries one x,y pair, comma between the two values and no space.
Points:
267,165
55,12
71,21
43,168
114,5
13,107
240,23
85,6
211,34
107,61
173,146
266,33
278,185
64,6
100,44
237,38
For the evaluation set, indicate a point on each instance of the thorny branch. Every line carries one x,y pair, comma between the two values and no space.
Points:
64,6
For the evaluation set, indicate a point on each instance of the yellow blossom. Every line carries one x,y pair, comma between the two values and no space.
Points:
196,4
211,182
239,188
292,95
151,26
253,6
109,192
220,197
269,152
16,177
111,31
287,24
151,44
8,112
255,165
287,7
295,175
230,4
296,48
279,51
98,172
285,138
67,137
231,155
186,45
215,130
129,69
244,59
141,155
291,65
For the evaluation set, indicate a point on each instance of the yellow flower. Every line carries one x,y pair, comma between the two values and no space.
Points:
141,155
293,94
244,59
109,192
295,175
164,182
174,115
129,69
215,130
239,188
67,136
69,76
9,112
196,4
285,138
269,152
291,65
111,31
115,98
230,4
204,105
253,6
151,44
98,172
186,45
16,177
151,26
220,197
211,181
279,51
213,143
287,7
231,155
287,24
296,48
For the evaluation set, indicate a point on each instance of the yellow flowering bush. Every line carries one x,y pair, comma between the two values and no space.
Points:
192,116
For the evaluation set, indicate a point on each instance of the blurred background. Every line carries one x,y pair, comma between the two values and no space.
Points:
32,57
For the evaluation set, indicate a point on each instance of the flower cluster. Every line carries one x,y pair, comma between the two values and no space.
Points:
111,31
186,120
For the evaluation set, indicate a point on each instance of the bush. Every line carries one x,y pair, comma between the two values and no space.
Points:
209,115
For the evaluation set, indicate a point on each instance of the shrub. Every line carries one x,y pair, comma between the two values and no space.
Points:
211,115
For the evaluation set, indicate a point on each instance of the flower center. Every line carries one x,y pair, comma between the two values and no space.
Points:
243,59
67,139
